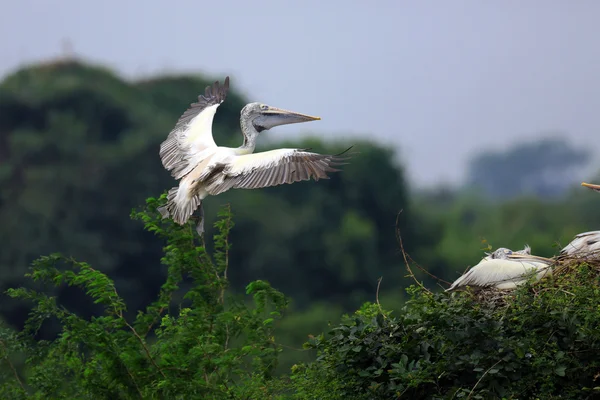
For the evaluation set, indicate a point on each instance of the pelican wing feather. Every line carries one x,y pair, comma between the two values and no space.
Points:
584,244
188,142
272,168
503,273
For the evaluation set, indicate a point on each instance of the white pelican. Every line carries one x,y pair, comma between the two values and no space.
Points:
504,270
204,168
586,244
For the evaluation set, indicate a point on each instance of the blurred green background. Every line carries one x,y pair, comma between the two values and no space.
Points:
79,149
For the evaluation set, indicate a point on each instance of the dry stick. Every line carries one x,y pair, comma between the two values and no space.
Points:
12,367
427,272
226,253
406,263
484,374
377,297
225,271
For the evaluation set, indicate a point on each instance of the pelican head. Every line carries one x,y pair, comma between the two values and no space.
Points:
265,117
591,186
501,253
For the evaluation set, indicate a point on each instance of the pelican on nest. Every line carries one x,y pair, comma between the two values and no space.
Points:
504,269
586,244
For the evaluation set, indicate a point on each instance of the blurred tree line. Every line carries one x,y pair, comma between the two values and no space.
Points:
545,167
79,150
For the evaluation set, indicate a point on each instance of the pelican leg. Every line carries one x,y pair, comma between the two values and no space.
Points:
200,225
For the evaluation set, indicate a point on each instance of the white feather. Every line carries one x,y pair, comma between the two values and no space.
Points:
584,244
199,136
246,163
503,273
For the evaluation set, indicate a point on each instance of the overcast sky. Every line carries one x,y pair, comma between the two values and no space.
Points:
438,80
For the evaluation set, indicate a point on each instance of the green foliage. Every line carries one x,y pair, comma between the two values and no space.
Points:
543,342
211,345
86,141
199,340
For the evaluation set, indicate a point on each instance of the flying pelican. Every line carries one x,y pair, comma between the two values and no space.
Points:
585,244
203,168
504,270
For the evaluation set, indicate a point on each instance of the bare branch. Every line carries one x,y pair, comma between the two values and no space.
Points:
377,297
405,255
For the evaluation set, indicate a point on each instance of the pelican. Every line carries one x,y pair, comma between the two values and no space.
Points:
587,243
504,270
203,168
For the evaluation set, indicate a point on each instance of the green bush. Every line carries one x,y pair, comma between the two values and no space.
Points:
541,342
199,340
210,346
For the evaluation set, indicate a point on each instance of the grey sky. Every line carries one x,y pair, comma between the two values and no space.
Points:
440,80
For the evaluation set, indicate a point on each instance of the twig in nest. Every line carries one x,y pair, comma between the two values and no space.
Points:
406,263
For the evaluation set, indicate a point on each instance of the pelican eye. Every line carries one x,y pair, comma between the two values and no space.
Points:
264,107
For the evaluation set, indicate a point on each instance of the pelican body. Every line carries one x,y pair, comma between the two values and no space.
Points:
205,169
504,270
586,244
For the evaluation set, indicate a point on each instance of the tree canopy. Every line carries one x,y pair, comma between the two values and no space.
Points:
544,168
201,340
81,149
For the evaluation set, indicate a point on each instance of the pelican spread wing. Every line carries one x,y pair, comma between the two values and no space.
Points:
192,134
275,167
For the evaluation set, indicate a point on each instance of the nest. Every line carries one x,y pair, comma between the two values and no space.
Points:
492,297
566,264
567,270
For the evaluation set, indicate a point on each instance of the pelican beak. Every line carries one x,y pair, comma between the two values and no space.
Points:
273,116
291,116
591,186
